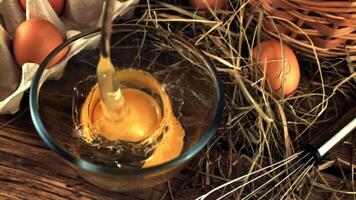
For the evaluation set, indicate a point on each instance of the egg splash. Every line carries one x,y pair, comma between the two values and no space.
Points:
34,40
283,76
57,5
146,117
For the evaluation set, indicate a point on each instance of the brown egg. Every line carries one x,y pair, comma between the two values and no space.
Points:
57,5
283,78
200,4
34,39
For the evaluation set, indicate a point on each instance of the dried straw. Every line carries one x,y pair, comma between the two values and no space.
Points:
259,128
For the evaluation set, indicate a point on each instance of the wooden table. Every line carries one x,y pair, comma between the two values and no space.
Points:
30,170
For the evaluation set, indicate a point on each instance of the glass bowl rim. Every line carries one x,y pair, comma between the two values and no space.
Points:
94,168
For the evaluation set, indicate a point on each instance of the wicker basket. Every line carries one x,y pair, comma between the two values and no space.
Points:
330,25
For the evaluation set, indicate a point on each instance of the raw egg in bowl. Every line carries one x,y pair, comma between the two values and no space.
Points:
191,86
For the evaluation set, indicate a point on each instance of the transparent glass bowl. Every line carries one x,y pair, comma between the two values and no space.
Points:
186,74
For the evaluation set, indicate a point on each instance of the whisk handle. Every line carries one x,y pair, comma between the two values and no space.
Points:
334,135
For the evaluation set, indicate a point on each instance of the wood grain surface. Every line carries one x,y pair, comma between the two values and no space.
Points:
30,170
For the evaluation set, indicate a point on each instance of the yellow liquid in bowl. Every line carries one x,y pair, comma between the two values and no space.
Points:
141,120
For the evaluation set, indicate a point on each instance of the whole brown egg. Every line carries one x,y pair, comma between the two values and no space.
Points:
34,39
280,65
203,4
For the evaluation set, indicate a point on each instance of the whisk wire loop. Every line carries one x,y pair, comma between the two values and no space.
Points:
274,166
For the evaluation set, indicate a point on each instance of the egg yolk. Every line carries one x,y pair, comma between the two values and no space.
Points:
141,119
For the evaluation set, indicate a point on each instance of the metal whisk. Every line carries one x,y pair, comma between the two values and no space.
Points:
270,179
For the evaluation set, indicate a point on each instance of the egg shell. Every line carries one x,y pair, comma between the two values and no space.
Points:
270,62
201,4
57,5
34,39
